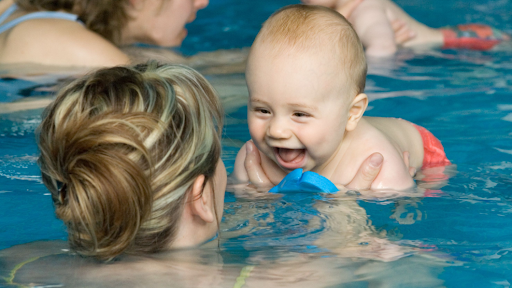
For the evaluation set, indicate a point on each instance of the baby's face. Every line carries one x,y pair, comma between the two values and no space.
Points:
296,112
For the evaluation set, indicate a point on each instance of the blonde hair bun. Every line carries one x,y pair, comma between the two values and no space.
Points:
120,148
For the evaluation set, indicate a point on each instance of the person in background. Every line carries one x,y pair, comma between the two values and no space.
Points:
99,33
89,32
373,21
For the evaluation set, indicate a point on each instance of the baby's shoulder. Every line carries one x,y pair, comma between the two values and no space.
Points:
401,134
359,144
374,134
394,173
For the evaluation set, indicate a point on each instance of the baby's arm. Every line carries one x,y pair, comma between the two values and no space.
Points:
374,28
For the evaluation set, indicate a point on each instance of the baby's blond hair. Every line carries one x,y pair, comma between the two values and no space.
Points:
121,147
307,27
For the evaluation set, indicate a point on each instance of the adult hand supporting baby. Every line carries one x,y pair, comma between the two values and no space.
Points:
363,179
253,167
367,172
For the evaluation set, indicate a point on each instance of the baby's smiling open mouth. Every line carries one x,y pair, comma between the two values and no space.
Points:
290,158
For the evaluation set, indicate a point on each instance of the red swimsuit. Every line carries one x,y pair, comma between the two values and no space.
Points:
433,149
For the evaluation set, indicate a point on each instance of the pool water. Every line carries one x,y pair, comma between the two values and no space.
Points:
457,236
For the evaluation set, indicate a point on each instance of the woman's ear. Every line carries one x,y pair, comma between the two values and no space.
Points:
356,111
201,201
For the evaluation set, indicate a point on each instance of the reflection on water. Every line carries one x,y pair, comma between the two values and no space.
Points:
211,268
292,241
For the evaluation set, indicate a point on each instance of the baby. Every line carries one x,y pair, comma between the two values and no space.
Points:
372,20
306,74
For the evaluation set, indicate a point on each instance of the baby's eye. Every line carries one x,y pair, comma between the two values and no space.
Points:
300,114
262,110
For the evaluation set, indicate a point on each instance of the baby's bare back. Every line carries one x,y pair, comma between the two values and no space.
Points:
390,137
403,135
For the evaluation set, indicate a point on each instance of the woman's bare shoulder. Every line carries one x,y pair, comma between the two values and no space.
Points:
59,42
34,249
13,256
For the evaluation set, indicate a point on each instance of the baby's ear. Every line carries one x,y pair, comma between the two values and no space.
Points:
356,111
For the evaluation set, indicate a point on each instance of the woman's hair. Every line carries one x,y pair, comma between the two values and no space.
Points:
121,147
105,17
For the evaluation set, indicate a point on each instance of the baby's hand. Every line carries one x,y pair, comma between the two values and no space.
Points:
407,159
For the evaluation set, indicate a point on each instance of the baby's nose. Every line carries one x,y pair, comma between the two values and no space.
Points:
278,129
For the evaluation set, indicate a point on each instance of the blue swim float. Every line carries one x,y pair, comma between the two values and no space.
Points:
296,181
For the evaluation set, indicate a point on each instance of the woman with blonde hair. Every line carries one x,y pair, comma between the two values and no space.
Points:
131,156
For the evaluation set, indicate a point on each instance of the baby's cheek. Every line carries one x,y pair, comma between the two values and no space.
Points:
257,132
321,134
255,129
322,141
251,122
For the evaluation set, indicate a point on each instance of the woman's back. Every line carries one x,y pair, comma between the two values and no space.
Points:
54,41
